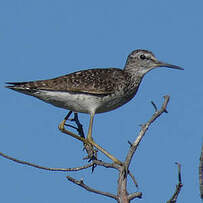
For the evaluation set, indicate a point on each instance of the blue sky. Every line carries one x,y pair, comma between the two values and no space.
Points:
44,39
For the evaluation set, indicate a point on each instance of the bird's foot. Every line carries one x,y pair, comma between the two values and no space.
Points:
91,152
114,159
61,125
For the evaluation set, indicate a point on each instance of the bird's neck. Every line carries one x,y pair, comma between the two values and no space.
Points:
133,81
135,71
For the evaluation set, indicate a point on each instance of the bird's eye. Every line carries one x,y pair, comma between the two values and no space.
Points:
142,57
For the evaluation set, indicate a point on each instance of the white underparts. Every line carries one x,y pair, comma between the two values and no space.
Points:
84,103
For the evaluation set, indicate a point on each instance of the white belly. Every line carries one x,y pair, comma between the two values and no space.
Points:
83,103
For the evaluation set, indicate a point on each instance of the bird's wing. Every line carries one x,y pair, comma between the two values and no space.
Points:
92,81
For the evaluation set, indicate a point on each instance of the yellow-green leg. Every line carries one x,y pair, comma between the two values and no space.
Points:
63,130
90,140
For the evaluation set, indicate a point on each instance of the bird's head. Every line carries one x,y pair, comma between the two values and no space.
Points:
142,61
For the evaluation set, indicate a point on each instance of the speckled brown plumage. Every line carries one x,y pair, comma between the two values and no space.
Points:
92,81
94,90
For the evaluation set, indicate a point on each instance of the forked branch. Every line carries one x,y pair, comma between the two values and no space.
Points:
178,186
83,185
135,144
122,194
43,167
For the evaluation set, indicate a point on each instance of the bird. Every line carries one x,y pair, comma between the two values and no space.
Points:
94,91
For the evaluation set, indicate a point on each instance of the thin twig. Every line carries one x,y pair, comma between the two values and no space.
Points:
154,105
143,131
178,186
81,183
130,143
106,165
201,173
135,195
43,167
133,179
179,172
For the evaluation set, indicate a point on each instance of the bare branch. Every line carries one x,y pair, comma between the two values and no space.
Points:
43,167
178,186
81,183
122,194
143,131
133,178
135,195
179,172
106,165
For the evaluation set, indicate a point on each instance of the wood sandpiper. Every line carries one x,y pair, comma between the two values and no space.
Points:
93,91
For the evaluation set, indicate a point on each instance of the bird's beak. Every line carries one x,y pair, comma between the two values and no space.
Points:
162,64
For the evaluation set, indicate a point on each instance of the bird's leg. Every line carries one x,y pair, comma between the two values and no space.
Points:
63,130
90,140
61,125
89,135
92,154
79,125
